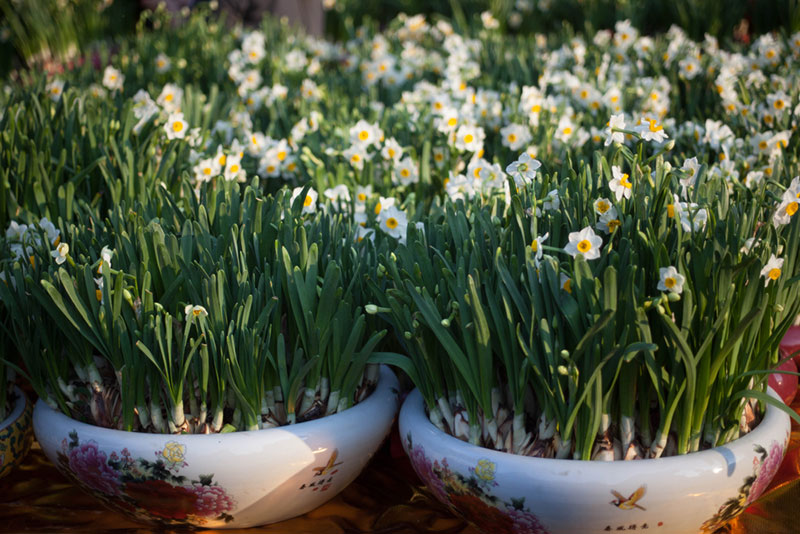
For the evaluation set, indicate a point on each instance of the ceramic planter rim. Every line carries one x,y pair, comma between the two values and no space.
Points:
18,410
413,410
189,439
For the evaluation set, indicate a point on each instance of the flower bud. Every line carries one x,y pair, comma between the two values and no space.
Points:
673,297
371,309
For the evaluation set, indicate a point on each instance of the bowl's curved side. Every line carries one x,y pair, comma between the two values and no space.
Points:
15,434
230,480
571,496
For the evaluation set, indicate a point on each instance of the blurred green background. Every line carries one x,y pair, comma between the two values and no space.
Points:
50,34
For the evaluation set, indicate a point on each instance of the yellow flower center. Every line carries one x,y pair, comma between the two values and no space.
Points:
625,182
207,171
669,282
779,104
568,286
361,197
391,223
308,201
770,53
613,223
404,173
356,158
281,155
791,209
363,135
654,127
177,126
438,157
391,152
671,210
603,206
469,138
377,208
452,122
762,145
567,130
774,273
196,311
234,168
169,97
512,137
222,159
584,246
98,294
535,246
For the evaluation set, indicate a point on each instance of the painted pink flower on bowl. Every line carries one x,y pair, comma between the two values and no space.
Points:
147,489
769,466
212,501
90,466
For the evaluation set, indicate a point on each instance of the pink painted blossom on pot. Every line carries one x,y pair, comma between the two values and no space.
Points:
90,466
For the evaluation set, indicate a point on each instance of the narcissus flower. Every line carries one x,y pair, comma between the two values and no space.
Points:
60,253
176,126
670,280
193,311
394,222
621,184
309,203
772,270
585,242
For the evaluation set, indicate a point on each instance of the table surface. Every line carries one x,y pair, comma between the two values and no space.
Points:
387,498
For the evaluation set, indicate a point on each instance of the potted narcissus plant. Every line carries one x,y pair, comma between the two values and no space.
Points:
586,364
213,365
16,431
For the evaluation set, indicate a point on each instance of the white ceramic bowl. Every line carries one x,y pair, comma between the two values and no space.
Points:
15,434
230,480
506,493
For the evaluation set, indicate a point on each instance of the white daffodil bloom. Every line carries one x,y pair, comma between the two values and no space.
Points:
523,171
170,98
585,242
55,89
233,169
651,130
60,253
536,247
515,136
670,280
405,172
608,221
309,203
163,63
356,155
113,79
394,222
620,185
790,202
193,311
602,205
53,234
772,270
176,126
616,122
392,150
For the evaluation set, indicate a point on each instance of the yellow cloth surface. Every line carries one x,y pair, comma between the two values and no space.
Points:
386,498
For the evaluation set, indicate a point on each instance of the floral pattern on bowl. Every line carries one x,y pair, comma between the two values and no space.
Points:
151,489
16,434
470,494
765,465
